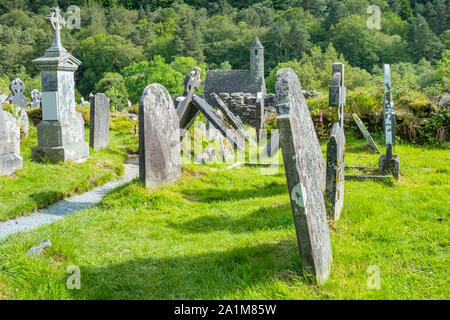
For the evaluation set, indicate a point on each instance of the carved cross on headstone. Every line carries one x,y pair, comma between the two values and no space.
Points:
36,97
17,88
185,110
58,22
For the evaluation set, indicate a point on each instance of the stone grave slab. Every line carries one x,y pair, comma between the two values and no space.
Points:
99,117
159,138
334,192
366,133
305,175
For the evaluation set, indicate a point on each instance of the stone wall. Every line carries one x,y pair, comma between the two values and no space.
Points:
243,105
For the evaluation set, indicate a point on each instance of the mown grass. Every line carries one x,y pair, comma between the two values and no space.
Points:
229,234
37,185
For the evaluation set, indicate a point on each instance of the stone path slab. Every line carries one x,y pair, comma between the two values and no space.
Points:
67,207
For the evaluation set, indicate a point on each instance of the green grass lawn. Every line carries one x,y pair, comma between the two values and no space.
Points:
229,234
38,185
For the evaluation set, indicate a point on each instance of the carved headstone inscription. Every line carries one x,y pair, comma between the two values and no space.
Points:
159,138
17,88
99,117
334,193
305,174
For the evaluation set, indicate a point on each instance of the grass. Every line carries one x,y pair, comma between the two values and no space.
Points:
37,185
229,234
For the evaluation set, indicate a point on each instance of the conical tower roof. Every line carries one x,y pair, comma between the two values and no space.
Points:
257,43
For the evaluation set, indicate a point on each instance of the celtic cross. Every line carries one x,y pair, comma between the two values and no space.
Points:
57,21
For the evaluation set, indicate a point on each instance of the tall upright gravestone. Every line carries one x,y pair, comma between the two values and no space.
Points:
305,174
99,117
10,160
389,163
334,193
159,137
61,131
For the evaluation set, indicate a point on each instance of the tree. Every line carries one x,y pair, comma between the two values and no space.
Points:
422,41
104,53
113,85
140,74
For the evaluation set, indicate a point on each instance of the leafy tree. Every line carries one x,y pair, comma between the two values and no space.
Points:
422,41
113,85
405,9
443,66
104,53
140,74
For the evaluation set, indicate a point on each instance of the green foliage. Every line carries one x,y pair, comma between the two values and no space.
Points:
314,71
140,74
104,53
113,85
443,66
4,85
184,65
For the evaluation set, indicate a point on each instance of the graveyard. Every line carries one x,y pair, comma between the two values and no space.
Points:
221,183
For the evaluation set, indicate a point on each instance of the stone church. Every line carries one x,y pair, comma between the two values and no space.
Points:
234,81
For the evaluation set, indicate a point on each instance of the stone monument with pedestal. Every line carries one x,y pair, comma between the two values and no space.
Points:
61,131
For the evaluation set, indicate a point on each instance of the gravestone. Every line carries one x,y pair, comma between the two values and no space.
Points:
17,88
10,160
389,163
99,116
185,110
366,133
273,145
235,122
305,175
159,137
36,98
259,115
61,131
334,193
218,122
337,93
388,108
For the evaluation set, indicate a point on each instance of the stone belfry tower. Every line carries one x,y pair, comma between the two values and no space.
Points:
257,60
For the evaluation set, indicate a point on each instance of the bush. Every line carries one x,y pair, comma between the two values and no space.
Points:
113,85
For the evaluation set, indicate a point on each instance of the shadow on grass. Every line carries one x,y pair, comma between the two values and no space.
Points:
262,219
214,194
46,198
211,275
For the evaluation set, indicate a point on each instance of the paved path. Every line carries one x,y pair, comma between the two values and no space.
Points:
67,207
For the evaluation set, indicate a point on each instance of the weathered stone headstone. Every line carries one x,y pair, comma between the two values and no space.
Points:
273,145
185,110
235,123
259,115
389,163
334,193
305,174
61,131
36,98
99,127
10,160
366,133
218,122
4,99
17,88
389,118
337,93
159,137
22,120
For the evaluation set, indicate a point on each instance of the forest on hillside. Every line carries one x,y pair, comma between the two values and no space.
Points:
124,44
